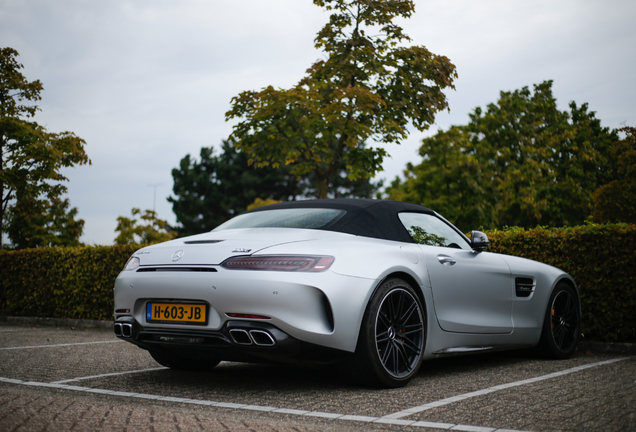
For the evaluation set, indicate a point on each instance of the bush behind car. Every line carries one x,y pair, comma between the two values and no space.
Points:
77,282
600,258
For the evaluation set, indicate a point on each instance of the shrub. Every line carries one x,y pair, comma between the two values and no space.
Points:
59,282
601,260
77,282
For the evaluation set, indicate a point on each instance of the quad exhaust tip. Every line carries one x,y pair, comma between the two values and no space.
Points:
239,336
123,330
252,337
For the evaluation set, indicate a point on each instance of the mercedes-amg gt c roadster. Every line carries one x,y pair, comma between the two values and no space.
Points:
376,286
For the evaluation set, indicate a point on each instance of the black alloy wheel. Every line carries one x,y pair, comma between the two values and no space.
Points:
399,333
392,337
562,325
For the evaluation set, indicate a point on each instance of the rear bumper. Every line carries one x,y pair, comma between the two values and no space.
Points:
324,308
242,341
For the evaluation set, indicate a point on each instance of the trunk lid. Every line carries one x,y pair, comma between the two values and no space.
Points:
215,247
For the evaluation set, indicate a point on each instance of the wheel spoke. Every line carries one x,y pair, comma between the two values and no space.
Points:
386,321
410,328
569,314
382,339
559,334
390,309
405,317
395,313
387,353
409,344
404,365
568,302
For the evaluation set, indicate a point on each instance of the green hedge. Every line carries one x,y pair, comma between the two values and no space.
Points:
61,282
77,282
601,259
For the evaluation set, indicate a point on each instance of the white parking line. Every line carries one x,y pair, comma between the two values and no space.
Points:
442,402
60,345
392,419
107,375
334,416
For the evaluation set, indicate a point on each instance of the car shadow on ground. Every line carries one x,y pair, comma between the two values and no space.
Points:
256,377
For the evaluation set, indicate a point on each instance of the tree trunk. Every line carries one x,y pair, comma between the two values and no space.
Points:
322,188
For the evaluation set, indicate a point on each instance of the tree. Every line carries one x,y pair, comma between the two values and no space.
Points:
215,188
210,191
369,86
30,157
522,162
616,200
143,228
42,223
449,180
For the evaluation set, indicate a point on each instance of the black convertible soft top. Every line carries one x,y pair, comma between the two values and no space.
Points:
363,217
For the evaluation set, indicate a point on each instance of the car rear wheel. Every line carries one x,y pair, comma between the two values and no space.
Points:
181,363
392,337
562,323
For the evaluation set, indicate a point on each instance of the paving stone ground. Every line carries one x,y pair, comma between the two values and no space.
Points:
598,392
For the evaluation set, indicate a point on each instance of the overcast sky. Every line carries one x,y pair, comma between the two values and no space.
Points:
147,82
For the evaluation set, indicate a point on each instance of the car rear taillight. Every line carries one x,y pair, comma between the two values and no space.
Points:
280,263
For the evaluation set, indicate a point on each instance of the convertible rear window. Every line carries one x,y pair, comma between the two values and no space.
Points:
309,218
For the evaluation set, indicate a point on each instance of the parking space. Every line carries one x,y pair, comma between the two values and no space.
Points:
60,378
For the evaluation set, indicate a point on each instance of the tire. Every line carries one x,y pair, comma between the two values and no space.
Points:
392,337
562,324
181,363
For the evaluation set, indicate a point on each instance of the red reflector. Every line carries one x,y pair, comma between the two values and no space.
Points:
250,316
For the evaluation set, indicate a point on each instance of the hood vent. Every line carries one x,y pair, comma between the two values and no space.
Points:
202,241
524,286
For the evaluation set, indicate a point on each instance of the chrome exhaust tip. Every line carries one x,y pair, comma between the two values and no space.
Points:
241,337
262,338
126,330
123,329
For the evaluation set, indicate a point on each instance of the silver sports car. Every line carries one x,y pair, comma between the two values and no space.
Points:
376,285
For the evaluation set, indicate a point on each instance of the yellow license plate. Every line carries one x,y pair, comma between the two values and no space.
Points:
176,313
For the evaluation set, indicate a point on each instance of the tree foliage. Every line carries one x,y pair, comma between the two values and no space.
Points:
215,188
262,203
142,228
44,223
616,201
522,162
31,157
369,86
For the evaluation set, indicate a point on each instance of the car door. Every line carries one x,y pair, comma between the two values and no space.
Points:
472,291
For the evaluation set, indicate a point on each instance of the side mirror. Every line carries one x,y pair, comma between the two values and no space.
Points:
478,240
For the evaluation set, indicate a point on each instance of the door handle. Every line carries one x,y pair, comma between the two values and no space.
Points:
446,260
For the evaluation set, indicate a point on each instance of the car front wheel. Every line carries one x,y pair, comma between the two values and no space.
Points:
562,323
392,336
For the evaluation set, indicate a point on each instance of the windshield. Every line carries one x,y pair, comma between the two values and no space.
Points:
308,218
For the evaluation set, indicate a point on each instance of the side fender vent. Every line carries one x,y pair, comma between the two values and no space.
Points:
524,286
